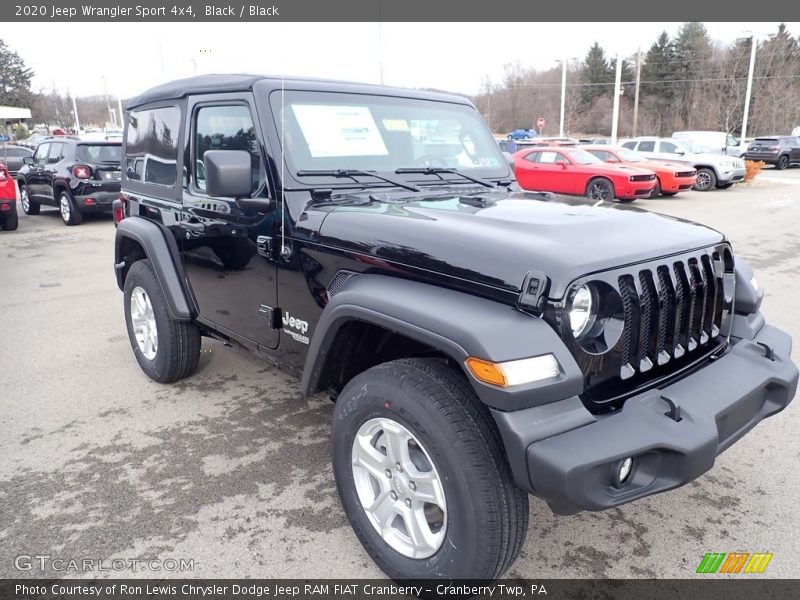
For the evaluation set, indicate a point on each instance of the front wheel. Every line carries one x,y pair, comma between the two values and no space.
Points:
29,207
656,190
706,180
422,475
166,349
600,189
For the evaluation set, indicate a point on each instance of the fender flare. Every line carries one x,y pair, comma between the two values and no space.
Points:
455,323
162,251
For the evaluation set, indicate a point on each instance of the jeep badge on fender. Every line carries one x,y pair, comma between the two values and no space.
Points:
375,242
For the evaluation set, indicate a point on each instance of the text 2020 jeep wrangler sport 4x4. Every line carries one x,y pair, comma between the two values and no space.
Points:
481,343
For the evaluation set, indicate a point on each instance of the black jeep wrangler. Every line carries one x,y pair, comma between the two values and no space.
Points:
481,343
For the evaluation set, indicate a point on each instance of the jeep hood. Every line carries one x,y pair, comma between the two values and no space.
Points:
499,243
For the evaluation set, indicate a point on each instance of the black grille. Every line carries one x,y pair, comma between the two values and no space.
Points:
674,310
685,173
643,177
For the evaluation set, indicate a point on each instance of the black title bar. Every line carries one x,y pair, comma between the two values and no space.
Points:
393,11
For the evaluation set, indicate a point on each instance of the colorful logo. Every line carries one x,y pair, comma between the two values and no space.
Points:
734,562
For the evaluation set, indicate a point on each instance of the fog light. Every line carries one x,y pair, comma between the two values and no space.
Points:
624,470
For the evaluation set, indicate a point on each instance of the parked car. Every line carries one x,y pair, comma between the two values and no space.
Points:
671,178
34,140
780,150
574,171
12,156
8,201
713,142
76,176
522,134
713,170
479,344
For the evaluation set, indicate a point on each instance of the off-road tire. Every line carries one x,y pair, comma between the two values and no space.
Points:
487,514
178,350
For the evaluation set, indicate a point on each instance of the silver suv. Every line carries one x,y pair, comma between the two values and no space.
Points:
713,170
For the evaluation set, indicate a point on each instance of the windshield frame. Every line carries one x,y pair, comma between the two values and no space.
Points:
271,100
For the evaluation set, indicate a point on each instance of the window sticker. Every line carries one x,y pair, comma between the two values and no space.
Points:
339,130
395,125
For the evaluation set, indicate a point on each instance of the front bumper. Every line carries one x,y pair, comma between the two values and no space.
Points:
568,457
731,176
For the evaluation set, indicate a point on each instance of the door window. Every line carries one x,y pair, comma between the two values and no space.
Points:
225,128
40,157
56,153
629,145
550,157
647,146
669,148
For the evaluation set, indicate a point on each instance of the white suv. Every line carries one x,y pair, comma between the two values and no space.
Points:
713,170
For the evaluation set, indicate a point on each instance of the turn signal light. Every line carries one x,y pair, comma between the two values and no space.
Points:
514,372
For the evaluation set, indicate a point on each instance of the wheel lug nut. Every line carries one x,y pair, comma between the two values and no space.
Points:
393,496
412,486
408,502
388,473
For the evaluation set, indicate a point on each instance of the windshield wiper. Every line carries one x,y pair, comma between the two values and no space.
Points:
440,170
356,173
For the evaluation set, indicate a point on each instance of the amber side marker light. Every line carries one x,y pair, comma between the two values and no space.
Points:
514,372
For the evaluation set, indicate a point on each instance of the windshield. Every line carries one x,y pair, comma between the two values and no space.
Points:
630,155
330,131
582,157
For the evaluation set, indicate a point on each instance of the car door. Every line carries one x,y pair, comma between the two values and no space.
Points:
528,173
56,154
227,250
556,171
34,180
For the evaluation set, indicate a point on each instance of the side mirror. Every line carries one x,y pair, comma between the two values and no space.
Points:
28,160
228,173
680,152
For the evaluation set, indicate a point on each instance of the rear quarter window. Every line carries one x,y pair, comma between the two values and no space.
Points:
151,148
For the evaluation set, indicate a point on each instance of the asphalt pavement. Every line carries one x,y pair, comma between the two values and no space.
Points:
229,472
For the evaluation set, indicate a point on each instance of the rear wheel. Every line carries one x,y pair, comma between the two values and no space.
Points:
69,209
29,207
600,189
166,349
11,221
422,474
706,180
783,162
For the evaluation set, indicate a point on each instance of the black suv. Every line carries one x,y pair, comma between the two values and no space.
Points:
76,176
374,242
779,150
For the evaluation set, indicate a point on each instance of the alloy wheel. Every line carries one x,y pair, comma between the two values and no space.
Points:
25,200
703,181
64,206
399,488
143,321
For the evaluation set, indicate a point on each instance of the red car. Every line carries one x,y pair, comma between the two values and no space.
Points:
574,171
8,201
671,177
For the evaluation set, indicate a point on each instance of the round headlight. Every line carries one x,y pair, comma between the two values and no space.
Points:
581,313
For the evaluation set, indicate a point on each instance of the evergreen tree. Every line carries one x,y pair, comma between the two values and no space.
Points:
15,79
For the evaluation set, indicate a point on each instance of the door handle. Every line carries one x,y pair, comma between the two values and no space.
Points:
195,228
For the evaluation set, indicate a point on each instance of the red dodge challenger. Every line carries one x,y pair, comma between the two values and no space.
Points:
8,200
574,171
671,177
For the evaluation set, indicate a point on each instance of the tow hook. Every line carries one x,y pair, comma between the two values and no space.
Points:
674,411
768,351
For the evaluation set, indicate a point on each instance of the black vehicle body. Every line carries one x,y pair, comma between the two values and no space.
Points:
12,156
332,275
51,171
779,150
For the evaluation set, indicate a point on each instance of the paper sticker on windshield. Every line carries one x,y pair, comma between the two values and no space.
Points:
339,130
395,125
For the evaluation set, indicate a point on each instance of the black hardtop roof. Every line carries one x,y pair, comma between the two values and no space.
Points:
206,84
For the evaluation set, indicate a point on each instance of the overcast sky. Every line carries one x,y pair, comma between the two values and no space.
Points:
449,56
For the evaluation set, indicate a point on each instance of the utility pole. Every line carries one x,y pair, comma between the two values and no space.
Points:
111,114
563,95
615,116
75,112
636,92
121,117
380,49
753,45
